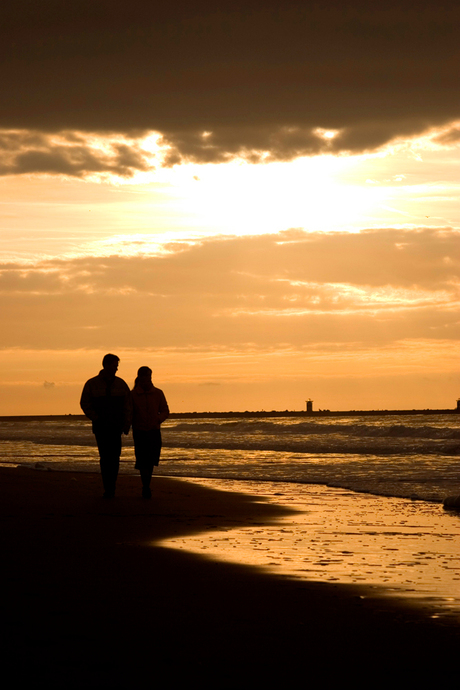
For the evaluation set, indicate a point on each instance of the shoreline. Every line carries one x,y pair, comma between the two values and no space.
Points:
93,581
164,470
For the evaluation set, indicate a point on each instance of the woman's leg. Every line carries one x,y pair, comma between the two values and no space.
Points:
145,458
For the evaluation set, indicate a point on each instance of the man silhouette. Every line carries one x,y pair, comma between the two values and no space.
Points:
106,400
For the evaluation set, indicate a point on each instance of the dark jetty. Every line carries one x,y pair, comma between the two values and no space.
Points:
250,414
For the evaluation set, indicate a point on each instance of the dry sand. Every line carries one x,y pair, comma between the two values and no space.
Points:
92,597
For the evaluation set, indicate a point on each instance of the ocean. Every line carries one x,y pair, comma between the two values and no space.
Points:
410,456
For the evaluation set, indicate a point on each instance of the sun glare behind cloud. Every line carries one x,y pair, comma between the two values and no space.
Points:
393,186
241,198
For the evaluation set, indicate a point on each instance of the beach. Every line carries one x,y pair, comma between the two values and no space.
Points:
107,594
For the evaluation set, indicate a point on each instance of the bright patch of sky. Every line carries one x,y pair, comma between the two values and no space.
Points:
409,184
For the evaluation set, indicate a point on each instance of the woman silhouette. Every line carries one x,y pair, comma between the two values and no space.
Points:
150,410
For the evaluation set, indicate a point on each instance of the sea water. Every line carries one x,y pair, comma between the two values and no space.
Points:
411,456
400,547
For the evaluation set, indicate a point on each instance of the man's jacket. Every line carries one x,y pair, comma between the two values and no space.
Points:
106,400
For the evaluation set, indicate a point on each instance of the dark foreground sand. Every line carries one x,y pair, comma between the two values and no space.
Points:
90,600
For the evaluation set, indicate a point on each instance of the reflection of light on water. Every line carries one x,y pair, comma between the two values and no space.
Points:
408,548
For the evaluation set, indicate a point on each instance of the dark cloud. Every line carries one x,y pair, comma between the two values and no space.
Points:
292,288
261,76
23,152
451,136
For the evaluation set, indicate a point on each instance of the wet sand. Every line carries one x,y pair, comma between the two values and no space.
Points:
395,546
93,597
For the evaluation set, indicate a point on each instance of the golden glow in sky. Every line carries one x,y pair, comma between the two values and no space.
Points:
243,285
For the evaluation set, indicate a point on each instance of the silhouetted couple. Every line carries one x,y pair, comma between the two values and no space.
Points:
112,409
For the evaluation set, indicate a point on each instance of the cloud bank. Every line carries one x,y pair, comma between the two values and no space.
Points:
259,79
287,290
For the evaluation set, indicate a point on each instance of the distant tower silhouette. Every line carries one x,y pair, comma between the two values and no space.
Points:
309,405
458,405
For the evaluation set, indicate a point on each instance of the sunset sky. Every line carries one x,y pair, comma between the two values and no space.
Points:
259,200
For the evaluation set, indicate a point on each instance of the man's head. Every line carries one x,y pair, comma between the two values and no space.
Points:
110,364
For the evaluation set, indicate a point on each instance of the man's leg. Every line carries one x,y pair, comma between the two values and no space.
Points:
109,445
